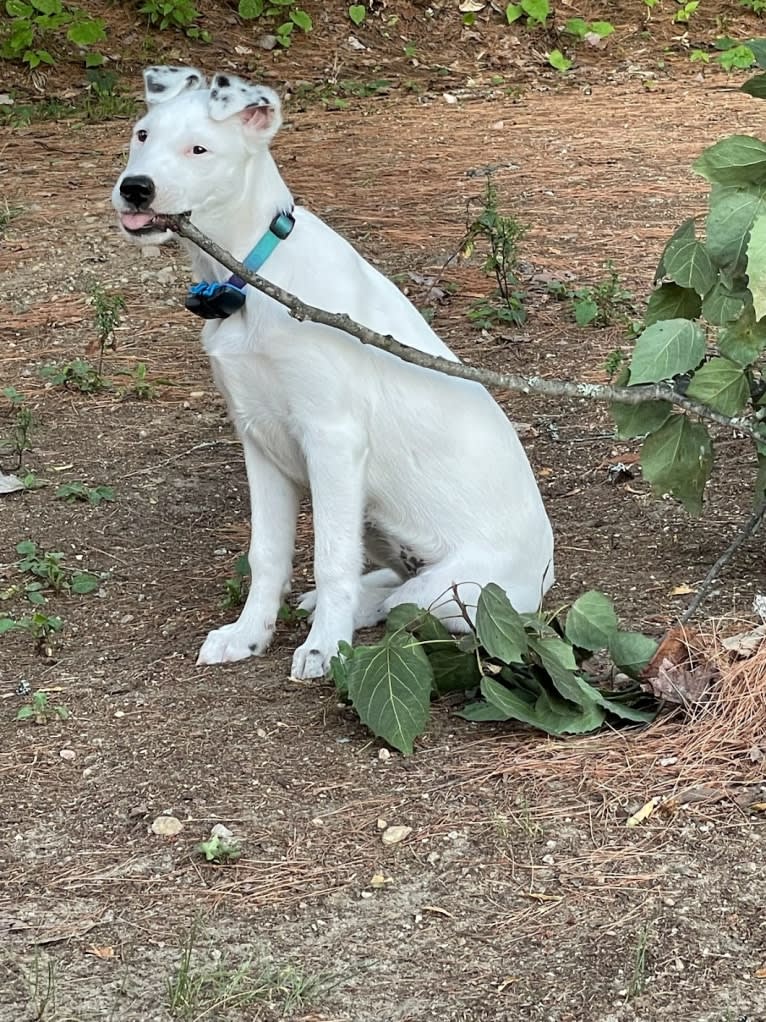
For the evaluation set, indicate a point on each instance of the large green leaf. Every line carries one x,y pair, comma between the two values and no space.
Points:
453,671
561,717
756,265
621,708
722,305
739,159
665,349
677,459
638,420
722,385
744,340
685,231
499,627
408,617
758,46
390,688
755,86
688,264
591,621
631,651
672,302
732,211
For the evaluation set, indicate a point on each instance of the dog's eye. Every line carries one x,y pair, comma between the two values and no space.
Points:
198,150
142,135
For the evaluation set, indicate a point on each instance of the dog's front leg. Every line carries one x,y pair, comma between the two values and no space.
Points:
274,510
336,463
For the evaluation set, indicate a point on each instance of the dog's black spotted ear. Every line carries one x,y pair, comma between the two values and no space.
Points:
257,106
163,83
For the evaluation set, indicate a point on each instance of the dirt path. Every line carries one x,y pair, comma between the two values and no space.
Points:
517,895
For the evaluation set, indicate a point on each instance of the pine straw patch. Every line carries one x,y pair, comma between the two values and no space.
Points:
706,754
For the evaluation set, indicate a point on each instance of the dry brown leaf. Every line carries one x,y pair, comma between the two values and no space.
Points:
100,952
682,590
761,973
643,813
681,685
746,644
437,910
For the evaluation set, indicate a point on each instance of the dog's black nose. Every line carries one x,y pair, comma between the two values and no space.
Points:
138,190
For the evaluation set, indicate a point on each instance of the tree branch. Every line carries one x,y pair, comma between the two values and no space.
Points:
504,381
745,532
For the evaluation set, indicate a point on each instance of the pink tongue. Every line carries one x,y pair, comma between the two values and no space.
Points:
134,221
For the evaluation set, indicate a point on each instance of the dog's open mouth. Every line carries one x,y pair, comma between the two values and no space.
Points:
145,222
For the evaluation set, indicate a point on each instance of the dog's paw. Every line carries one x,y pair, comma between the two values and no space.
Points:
310,662
229,644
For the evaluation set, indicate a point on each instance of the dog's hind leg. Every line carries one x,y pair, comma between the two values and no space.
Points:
376,586
433,588
274,510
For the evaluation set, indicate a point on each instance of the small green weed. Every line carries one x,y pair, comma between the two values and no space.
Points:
284,15
49,567
638,976
179,14
685,11
33,29
22,422
107,309
534,12
501,235
600,305
8,214
580,28
141,387
75,375
357,13
77,491
614,362
219,849
40,710
756,6
235,588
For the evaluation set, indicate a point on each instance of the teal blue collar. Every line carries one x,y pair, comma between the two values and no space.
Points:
219,301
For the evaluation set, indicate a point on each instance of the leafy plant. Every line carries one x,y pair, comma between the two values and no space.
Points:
525,667
50,569
501,234
705,328
22,422
75,375
558,61
602,304
140,386
77,491
235,588
35,27
687,8
536,12
181,14
580,28
219,849
756,6
106,311
40,710
293,15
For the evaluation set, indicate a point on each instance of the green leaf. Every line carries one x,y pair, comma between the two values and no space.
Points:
482,711
758,46
84,582
453,671
24,713
621,708
677,459
508,702
357,13
585,311
513,12
558,61
302,19
756,265
537,10
559,716
499,627
760,481
744,340
722,385
631,651
666,348
390,688
19,9
27,548
601,28
721,305
339,668
688,263
591,621
576,27
737,160
86,33
6,624
248,9
685,231
672,302
638,420
733,208
755,86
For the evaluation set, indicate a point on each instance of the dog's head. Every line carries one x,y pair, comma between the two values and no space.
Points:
192,148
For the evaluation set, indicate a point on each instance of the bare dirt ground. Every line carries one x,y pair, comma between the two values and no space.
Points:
520,893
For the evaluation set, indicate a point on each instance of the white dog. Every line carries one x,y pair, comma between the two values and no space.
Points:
417,472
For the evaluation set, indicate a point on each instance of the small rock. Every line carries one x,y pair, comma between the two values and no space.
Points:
68,754
393,835
222,832
382,824
448,97
167,826
267,41
384,755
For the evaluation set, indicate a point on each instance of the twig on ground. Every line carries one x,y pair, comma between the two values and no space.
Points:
505,381
745,532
